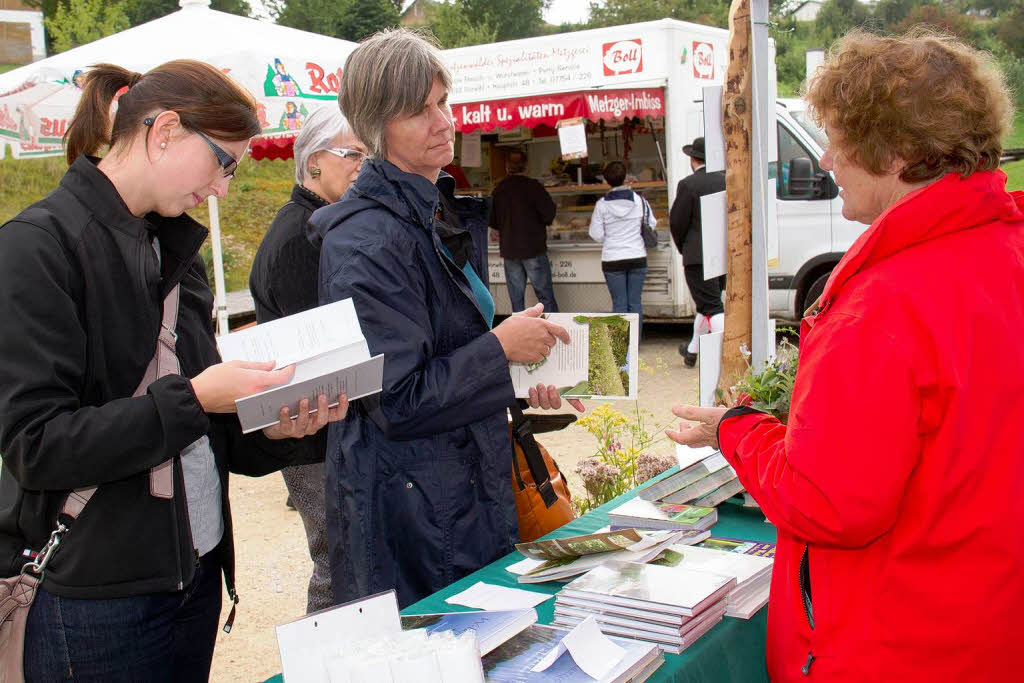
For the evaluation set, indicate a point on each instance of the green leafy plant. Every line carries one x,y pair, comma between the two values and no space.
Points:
770,388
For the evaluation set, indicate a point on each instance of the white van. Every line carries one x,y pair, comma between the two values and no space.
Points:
813,235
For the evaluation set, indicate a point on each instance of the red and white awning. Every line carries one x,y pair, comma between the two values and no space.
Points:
594,105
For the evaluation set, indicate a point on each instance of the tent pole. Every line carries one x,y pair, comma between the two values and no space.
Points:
220,298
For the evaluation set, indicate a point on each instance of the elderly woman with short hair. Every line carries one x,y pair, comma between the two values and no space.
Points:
419,488
283,282
896,484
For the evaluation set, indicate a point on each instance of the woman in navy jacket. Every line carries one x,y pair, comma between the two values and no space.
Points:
418,480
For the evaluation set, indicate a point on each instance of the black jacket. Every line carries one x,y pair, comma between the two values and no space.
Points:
81,303
521,211
283,281
684,218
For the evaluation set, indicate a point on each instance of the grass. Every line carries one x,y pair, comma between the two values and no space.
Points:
1016,138
259,189
4,68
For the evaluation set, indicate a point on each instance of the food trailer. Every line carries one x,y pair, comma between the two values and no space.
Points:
638,87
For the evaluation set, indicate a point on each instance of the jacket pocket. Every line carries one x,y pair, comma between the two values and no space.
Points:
805,595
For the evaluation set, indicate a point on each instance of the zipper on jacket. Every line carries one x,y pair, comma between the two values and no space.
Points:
804,582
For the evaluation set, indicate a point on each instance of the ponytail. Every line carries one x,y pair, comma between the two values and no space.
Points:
89,130
205,100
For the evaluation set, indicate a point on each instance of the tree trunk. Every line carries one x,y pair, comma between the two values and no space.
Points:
736,127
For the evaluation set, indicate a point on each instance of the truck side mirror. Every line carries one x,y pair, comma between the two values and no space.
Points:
804,183
801,178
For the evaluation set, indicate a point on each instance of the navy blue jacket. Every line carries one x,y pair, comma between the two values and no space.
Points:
418,479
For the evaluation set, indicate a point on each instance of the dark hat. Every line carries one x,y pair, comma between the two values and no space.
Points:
696,150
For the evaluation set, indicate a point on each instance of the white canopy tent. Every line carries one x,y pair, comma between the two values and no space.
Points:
290,72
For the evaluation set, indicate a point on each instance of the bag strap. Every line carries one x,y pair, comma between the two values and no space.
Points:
535,461
164,362
645,218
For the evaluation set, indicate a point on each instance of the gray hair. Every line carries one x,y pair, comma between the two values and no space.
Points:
322,126
388,77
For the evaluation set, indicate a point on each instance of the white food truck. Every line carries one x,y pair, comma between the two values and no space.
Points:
639,87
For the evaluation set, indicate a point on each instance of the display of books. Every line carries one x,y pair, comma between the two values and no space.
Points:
672,590
491,628
695,493
329,352
512,662
676,488
720,494
644,514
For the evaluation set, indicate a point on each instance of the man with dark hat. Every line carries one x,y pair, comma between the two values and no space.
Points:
684,221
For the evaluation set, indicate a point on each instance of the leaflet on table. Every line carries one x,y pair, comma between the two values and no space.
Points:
329,352
601,360
575,546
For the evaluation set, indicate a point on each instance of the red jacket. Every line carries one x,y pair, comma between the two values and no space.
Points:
899,482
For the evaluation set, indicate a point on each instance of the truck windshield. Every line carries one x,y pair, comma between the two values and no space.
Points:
807,123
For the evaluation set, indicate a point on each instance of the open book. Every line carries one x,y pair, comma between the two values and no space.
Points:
328,350
601,360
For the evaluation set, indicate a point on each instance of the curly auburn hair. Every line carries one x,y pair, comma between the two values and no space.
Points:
924,97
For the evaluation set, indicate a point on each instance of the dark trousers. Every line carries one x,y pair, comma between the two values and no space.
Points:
707,294
158,637
538,269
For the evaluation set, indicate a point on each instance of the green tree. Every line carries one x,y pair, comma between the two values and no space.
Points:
510,19
141,11
82,21
1010,32
836,17
615,12
453,28
346,19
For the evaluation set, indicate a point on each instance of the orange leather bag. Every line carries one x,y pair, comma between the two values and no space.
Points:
543,502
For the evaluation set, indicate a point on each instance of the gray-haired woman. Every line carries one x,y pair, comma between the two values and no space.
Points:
419,487
283,281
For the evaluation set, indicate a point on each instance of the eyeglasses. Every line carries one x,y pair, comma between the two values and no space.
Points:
227,162
347,153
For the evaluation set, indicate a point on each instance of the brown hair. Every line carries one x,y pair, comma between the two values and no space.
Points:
924,97
388,77
615,173
204,98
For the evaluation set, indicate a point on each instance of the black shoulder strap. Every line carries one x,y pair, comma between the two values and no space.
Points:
535,461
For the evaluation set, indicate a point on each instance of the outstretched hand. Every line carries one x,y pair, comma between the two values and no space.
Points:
703,427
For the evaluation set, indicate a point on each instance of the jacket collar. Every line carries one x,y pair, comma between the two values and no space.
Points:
407,195
949,205
308,199
180,236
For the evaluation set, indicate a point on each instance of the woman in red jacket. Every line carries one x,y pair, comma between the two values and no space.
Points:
897,487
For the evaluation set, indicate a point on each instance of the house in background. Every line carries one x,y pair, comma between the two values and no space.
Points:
418,13
21,33
806,10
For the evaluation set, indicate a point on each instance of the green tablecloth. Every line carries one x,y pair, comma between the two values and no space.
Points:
731,651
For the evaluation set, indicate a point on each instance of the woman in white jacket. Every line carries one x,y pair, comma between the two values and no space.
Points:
617,224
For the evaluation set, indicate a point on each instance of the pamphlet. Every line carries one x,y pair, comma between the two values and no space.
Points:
601,360
328,350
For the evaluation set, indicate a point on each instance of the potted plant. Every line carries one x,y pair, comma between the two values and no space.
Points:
770,388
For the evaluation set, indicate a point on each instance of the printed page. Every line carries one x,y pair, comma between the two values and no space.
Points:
601,361
329,376
492,597
295,337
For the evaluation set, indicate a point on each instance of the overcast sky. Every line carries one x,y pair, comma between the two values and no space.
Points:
559,12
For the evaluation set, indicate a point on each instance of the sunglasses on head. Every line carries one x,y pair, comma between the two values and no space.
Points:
227,162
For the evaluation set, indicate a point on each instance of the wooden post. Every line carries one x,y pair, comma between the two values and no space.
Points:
736,128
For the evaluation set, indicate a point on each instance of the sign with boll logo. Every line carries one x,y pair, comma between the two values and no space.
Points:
703,60
623,57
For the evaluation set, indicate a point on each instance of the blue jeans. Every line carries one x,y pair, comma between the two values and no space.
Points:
538,269
627,289
157,637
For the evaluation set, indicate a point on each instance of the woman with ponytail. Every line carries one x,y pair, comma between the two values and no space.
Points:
130,456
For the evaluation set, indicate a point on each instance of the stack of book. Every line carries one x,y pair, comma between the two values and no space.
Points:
644,514
753,574
668,606
705,483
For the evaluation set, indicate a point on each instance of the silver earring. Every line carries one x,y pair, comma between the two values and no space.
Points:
315,172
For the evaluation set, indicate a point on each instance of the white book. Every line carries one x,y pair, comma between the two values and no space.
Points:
329,352
601,360
752,574
674,590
